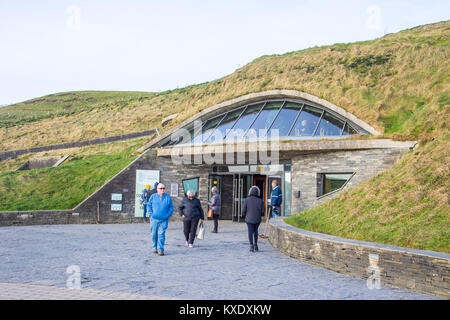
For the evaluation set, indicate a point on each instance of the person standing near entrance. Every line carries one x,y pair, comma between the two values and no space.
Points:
190,209
160,209
276,199
215,203
145,197
252,210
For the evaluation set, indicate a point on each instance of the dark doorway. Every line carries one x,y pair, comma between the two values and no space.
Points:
260,182
226,197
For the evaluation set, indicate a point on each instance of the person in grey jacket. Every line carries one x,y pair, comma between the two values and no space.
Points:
253,209
190,209
214,204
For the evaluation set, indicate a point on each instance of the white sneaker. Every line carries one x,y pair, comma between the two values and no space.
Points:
191,245
187,243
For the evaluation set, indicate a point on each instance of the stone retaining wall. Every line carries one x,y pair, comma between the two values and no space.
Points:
16,153
419,270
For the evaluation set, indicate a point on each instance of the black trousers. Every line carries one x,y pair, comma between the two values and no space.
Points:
189,229
253,232
216,221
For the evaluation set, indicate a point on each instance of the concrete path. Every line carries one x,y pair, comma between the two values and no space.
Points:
118,259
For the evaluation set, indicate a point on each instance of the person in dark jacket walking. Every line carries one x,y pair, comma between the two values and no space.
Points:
253,209
215,205
190,209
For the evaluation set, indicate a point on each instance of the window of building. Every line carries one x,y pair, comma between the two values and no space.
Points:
191,184
285,118
329,126
306,122
264,119
291,118
331,182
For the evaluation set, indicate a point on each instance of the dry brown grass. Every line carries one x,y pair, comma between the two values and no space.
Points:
411,84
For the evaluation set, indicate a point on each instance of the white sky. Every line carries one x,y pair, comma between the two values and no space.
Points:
54,46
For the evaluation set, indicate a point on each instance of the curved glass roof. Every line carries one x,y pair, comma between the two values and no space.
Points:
265,120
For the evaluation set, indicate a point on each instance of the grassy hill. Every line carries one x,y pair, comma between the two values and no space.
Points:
398,83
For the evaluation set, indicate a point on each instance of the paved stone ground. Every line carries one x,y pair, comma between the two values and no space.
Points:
24,291
118,259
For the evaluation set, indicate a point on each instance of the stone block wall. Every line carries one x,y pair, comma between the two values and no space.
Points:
42,217
419,270
125,183
365,164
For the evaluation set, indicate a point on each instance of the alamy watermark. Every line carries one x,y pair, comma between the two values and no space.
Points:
74,279
234,146
374,272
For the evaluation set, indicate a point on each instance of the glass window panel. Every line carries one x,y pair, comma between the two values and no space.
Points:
206,129
190,184
227,123
334,181
285,118
306,122
348,130
247,118
329,126
265,118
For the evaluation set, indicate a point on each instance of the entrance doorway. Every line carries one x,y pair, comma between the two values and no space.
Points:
234,188
241,186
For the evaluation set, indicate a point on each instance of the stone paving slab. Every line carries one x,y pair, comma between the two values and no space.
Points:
22,291
118,259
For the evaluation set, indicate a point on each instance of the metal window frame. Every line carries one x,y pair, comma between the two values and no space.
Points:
295,120
276,116
224,115
343,128
232,127
318,123
257,115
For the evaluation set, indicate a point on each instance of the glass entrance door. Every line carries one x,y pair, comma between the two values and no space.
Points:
241,186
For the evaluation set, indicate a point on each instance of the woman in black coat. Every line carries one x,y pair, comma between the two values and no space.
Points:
190,209
253,209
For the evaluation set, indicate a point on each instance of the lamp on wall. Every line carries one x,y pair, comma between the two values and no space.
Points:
297,194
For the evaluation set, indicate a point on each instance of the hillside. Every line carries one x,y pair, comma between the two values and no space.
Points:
399,84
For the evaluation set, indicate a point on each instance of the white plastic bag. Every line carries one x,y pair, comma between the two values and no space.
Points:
201,231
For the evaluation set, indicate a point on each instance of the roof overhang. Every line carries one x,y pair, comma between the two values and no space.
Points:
287,147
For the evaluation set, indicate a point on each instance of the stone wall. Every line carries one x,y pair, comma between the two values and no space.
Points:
42,217
364,163
125,183
424,271
97,207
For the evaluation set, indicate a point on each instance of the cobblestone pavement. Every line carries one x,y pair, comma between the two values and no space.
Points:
24,291
118,259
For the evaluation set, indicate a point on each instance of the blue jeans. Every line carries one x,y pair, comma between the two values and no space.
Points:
275,212
158,232
145,210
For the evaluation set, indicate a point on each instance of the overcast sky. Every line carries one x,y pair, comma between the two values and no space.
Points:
54,46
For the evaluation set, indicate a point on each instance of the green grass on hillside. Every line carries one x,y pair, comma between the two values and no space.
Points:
61,187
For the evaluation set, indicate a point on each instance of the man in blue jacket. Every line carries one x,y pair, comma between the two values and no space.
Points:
275,199
160,209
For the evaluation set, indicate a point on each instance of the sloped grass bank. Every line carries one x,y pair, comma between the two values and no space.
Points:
61,187
407,205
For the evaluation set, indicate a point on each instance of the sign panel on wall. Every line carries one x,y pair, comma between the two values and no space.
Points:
116,207
116,197
174,190
143,177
